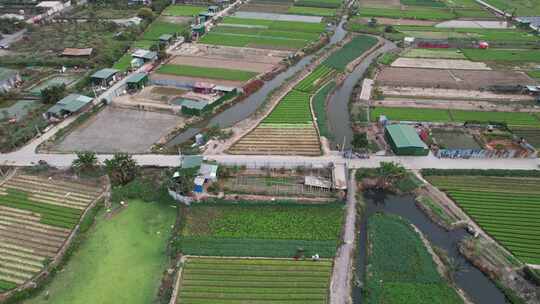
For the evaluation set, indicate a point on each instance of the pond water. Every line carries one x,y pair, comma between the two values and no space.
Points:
478,287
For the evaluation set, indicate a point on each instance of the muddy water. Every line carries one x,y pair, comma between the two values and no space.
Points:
339,121
479,288
247,107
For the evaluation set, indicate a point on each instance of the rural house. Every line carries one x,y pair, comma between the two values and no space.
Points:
104,77
137,81
405,141
68,105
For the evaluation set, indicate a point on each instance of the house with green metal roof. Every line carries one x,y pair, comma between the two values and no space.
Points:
104,76
192,107
405,141
166,38
68,105
136,81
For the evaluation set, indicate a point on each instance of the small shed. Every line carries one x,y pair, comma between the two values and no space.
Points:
405,141
68,105
190,161
192,107
166,38
74,52
145,55
104,77
8,79
203,87
213,9
198,29
209,172
199,184
137,81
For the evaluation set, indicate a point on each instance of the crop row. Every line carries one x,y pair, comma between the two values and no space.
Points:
314,79
436,115
206,72
248,283
349,52
510,217
293,108
211,246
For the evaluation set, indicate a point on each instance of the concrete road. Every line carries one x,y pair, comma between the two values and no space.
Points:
340,285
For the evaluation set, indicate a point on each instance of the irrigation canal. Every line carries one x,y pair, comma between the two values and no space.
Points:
248,106
478,287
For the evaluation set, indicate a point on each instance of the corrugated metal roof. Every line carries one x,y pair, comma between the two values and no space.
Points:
136,78
405,136
104,73
192,104
191,161
71,103
166,37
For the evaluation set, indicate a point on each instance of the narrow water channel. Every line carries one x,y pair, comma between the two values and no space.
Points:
339,121
248,106
478,287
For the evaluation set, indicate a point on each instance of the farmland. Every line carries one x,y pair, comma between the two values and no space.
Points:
435,54
352,50
532,135
319,3
436,115
293,109
507,208
228,280
206,72
273,34
414,13
402,272
319,107
313,80
523,8
184,10
260,229
311,11
126,252
503,55
36,217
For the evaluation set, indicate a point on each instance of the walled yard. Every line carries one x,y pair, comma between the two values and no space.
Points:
37,215
449,79
454,139
120,130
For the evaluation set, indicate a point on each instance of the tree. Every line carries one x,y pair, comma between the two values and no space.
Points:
183,182
122,168
389,172
86,161
360,141
53,93
146,14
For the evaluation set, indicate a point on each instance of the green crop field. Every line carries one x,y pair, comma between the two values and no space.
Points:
427,3
206,72
503,55
293,108
319,107
312,11
534,74
124,63
504,36
437,115
314,80
295,26
522,7
261,229
158,28
233,280
421,13
184,10
350,51
126,252
437,54
507,208
319,3
402,272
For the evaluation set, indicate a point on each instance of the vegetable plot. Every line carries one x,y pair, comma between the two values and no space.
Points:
402,272
213,280
507,208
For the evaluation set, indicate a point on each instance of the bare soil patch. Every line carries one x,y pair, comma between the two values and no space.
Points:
192,80
120,130
265,8
390,21
232,53
449,79
454,94
222,63
450,64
